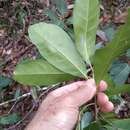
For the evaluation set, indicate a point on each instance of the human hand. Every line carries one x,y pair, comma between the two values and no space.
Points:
60,109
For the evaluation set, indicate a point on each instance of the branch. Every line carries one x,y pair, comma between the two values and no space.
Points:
20,97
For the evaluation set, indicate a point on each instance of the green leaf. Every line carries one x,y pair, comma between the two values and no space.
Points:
128,53
93,126
61,6
109,31
54,18
9,119
39,72
86,19
57,48
4,81
117,90
119,72
21,14
123,124
17,93
86,119
107,117
104,57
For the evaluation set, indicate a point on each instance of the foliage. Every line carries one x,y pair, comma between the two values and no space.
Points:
120,75
54,18
36,71
59,16
115,48
104,57
119,125
9,119
85,25
109,31
61,6
4,81
93,126
119,72
65,59
86,120
128,53
57,48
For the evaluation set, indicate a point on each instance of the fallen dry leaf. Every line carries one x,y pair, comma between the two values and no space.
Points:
121,18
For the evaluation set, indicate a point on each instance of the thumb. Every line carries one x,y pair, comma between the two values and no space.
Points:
84,93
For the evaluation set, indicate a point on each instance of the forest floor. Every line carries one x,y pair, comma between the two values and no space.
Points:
17,102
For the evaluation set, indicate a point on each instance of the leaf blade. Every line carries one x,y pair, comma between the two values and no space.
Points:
39,72
57,48
85,26
4,82
10,119
119,72
61,6
119,124
93,126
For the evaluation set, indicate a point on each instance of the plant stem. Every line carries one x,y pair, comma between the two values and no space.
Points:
96,108
34,93
78,127
95,98
92,71
21,97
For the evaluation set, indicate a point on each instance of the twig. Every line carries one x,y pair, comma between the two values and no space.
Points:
53,87
85,107
12,107
45,89
78,127
95,98
96,108
20,97
34,93
92,70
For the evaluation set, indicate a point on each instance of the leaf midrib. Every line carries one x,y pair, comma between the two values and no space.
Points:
62,54
87,57
46,74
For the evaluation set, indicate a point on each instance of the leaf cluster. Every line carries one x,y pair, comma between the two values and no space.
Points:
66,59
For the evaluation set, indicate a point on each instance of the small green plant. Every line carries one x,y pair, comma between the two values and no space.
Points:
65,60
60,52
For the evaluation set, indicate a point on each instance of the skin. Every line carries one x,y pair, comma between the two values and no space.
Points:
60,109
